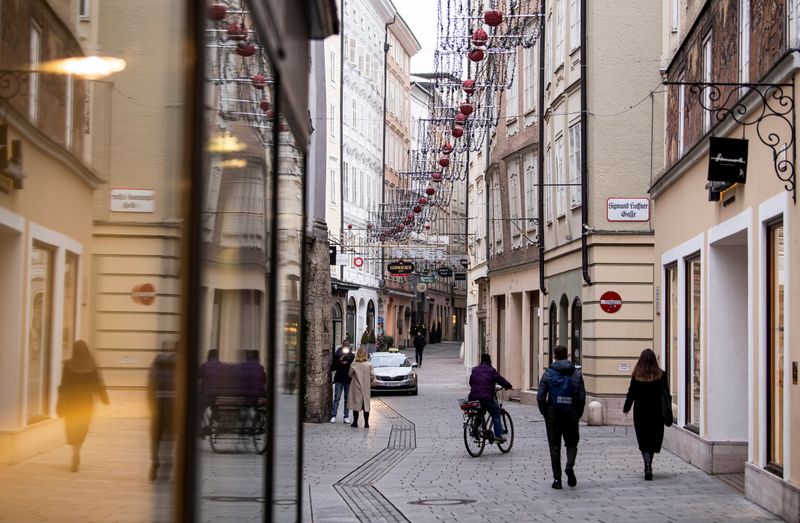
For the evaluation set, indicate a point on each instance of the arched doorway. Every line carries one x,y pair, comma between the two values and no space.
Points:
336,315
563,321
351,320
552,328
371,316
577,328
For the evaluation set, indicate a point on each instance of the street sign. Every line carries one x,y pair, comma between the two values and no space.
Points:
727,160
427,278
610,302
445,272
358,261
461,276
421,287
400,268
628,209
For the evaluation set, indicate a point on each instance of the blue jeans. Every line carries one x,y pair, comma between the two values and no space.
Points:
493,409
337,392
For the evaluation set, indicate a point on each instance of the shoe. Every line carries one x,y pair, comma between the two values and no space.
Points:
556,484
366,425
333,419
648,473
500,440
153,472
347,420
354,424
76,461
571,479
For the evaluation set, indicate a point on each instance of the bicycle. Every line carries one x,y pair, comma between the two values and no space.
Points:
479,427
238,419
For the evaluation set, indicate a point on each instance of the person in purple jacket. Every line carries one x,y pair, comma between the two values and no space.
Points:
481,382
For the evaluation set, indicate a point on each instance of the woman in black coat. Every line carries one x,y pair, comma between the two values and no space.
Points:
644,393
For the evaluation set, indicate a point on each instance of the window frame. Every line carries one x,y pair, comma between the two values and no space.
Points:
775,401
560,175
574,25
744,40
689,347
575,196
707,64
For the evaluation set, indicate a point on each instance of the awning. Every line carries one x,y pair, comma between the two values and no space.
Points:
403,294
339,285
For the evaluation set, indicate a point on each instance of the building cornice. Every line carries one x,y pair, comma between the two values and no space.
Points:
406,37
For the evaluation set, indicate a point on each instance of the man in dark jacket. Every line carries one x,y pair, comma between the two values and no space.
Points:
561,400
419,346
481,382
340,365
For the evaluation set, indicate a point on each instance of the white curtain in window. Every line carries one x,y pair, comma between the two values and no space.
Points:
575,164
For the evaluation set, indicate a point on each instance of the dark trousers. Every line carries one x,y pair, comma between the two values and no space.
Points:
161,430
418,354
559,427
493,409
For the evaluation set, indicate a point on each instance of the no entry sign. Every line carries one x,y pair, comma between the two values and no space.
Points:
610,302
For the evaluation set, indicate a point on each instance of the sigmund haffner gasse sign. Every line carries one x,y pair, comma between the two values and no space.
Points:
628,209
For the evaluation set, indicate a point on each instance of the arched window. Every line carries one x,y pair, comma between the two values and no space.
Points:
552,328
577,328
563,321
351,320
337,317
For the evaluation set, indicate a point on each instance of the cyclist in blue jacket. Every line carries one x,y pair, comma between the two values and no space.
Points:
482,382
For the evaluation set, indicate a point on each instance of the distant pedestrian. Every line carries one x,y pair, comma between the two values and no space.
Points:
561,399
340,366
648,382
419,347
80,383
482,382
161,396
360,387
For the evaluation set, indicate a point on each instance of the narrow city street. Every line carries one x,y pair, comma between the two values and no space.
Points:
381,475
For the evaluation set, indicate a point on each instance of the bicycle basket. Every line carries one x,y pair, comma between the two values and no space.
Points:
469,404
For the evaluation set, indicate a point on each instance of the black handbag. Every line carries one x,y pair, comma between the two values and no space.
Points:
666,406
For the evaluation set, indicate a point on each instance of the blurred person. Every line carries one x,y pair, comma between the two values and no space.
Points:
161,396
419,346
363,376
648,382
80,383
212,374
561,398
482,381
340,366
252,376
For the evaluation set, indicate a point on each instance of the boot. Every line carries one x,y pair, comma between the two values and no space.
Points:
572,453
648,465
366,419
355,419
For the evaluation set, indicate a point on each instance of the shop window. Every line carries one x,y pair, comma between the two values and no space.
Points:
40,297
775,352
670,362
694,343
552,330
70,303
577,328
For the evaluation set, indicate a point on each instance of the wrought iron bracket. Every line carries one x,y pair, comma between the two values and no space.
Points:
757,105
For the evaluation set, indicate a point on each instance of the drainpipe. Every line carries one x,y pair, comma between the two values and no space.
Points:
540,160
341,143
584,156
386,48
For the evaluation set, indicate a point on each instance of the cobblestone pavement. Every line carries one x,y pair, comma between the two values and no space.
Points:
439,481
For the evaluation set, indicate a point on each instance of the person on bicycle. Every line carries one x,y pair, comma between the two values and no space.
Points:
482,381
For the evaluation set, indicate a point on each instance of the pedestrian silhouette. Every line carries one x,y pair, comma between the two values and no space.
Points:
419,347
161,396
648,383
340,366
80,383
561,398
360,387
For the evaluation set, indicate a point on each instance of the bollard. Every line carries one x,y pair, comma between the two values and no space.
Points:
595,416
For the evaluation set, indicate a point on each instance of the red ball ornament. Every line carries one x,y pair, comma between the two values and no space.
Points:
458,132
270,115
417,209
436,177
476,55
466,108
410,216
264,105
480,37
468,86
447,148
422,200
369,226
427,227
430,191
217,12
237,32
245,50
400,227
349,225
461,118
493,17
259,81
444,161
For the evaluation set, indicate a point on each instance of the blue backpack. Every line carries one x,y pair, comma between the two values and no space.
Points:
562,391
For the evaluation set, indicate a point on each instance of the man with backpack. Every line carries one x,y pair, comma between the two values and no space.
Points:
561,400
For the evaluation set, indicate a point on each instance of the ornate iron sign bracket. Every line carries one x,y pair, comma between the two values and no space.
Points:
757,105
11,82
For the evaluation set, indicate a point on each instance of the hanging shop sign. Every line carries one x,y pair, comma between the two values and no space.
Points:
461,276
727,160
400,268
464,262
426,278
610,302
628,209
133,200
445,272
421,287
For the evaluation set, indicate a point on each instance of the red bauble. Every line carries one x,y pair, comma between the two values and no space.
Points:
461,118
270,115
259,81
237,32
427,227
349,225
245,49
447,148
469,86
436,177
444,161
417,209
400,227
369,226
422,200
466,108
217,12
410,216
480,37
430,191
493,18
476,55
264,104
458,132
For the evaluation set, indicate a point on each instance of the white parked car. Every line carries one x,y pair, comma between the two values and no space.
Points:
393,372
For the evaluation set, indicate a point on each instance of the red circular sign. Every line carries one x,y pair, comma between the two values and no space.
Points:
610,302
144,293
358,262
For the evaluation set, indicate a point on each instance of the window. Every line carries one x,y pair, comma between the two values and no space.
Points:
515,212
693,382
497,213
574,24
530,190
681,112
671,327
41,304
332,120
68,117
352,51
775,351
529,73
575,165
332,186
84,9
346,182
332,67
511,102
707,79
33,80
744,40
548,186
243,212
353,113
675,9
552,330
577,328
548,49
793,15
559,32
561,193
70,302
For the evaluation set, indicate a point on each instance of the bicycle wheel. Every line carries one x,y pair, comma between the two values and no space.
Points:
214,431
259,427
508,432
473,437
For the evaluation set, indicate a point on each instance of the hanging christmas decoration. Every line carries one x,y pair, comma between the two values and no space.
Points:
217,12
493,17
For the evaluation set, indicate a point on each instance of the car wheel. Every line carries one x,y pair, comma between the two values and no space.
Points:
414,392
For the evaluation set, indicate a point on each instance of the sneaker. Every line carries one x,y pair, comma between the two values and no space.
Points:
571,479
557,484
333,419
499,440
347,420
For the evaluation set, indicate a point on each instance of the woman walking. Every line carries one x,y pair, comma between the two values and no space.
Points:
80,382
362,378
647,383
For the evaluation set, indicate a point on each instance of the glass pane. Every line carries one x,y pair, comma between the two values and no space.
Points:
694,342
70,304
40,296
776,352
672,331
